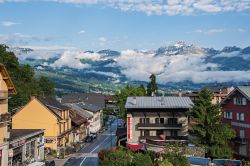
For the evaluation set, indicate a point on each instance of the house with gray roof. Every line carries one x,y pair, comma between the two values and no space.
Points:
157,120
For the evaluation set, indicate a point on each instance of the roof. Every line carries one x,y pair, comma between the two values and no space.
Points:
81,111
97,99
53,103
77,118
219,89
7,79
89,107
158,102
199,160
244,90
20,133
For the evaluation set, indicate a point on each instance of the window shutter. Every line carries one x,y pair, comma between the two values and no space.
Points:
238,116
231,115
242,116
225,114
244,101
234,100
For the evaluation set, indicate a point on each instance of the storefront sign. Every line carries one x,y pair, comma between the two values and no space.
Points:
0,152
50,140
19,143
11,153
128,132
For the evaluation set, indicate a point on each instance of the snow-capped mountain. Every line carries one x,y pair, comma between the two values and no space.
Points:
178,63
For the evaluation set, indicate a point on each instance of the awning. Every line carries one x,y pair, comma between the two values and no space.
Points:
137,147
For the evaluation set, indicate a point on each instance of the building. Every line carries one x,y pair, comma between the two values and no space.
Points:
219,93
79,124
236,108
97,99
48,114
157,120
97,121
83,113
6,87
26,146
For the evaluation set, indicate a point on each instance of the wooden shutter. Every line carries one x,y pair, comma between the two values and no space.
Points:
238,116
234,100
244,101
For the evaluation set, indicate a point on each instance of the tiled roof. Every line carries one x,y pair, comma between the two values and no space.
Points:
158,102
92,98
19,133
245,90
81,111
52,102
4,72
89,107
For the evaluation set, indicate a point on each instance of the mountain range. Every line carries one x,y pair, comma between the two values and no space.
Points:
178,66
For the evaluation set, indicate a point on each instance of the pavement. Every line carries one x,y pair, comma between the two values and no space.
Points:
88,156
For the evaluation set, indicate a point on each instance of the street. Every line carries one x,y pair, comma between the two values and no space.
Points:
88,156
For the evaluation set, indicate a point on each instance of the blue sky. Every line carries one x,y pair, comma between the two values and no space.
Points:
120,25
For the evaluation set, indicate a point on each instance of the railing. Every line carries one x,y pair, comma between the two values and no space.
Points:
241,140
5,117
159,142
3,94
165,125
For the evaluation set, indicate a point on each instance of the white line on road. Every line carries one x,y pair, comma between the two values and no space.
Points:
93,150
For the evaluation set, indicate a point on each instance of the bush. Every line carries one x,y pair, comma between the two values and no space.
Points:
140,159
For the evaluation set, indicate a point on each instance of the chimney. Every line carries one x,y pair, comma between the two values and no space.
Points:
134,100
32,97
180,93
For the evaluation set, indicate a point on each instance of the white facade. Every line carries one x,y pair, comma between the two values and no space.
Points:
95,123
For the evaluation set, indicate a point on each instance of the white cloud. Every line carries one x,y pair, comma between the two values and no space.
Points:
82,31
241,30
102,41
8,23
169,7
209,31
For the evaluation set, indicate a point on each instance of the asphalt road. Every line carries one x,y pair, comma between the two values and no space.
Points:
88,156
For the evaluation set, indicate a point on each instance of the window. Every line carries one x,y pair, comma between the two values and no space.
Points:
242,133
172,120
159,120
240,116
173,133
159,132
144,133
228,115
144,120
240,101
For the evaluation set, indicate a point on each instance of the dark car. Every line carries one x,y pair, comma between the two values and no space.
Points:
93,134
89,138
50,163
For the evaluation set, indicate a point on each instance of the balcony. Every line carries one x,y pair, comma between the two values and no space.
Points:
3,95
159,125
242,141
5,117
155,140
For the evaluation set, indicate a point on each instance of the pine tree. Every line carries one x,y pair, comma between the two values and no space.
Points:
208,130
152,86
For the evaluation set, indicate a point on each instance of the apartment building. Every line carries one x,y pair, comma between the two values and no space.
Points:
157,119
6,87
236,113
48,114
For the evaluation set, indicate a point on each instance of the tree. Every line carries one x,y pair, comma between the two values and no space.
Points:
121,97
47,87
23,77
208,130
152,86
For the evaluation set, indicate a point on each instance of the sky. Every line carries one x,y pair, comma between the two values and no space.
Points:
123,24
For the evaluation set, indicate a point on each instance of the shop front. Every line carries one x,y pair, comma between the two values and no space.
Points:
25,148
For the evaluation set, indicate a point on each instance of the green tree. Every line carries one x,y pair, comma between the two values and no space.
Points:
46,86
121,97
152,86
140,159
208,130
23,77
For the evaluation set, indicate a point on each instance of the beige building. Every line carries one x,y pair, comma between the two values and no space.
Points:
157,120
6,87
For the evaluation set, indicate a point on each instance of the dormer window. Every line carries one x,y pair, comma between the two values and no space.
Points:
240,101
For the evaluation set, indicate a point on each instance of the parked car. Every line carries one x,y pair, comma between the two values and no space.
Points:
50,163
102,130
93,134
89,138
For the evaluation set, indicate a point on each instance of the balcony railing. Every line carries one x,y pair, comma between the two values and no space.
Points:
157,125
3,94
5,117
167,138
155,140
241,140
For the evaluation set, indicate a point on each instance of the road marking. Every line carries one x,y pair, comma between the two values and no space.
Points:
93,151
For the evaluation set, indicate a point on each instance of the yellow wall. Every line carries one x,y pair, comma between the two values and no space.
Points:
3,109
36,116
